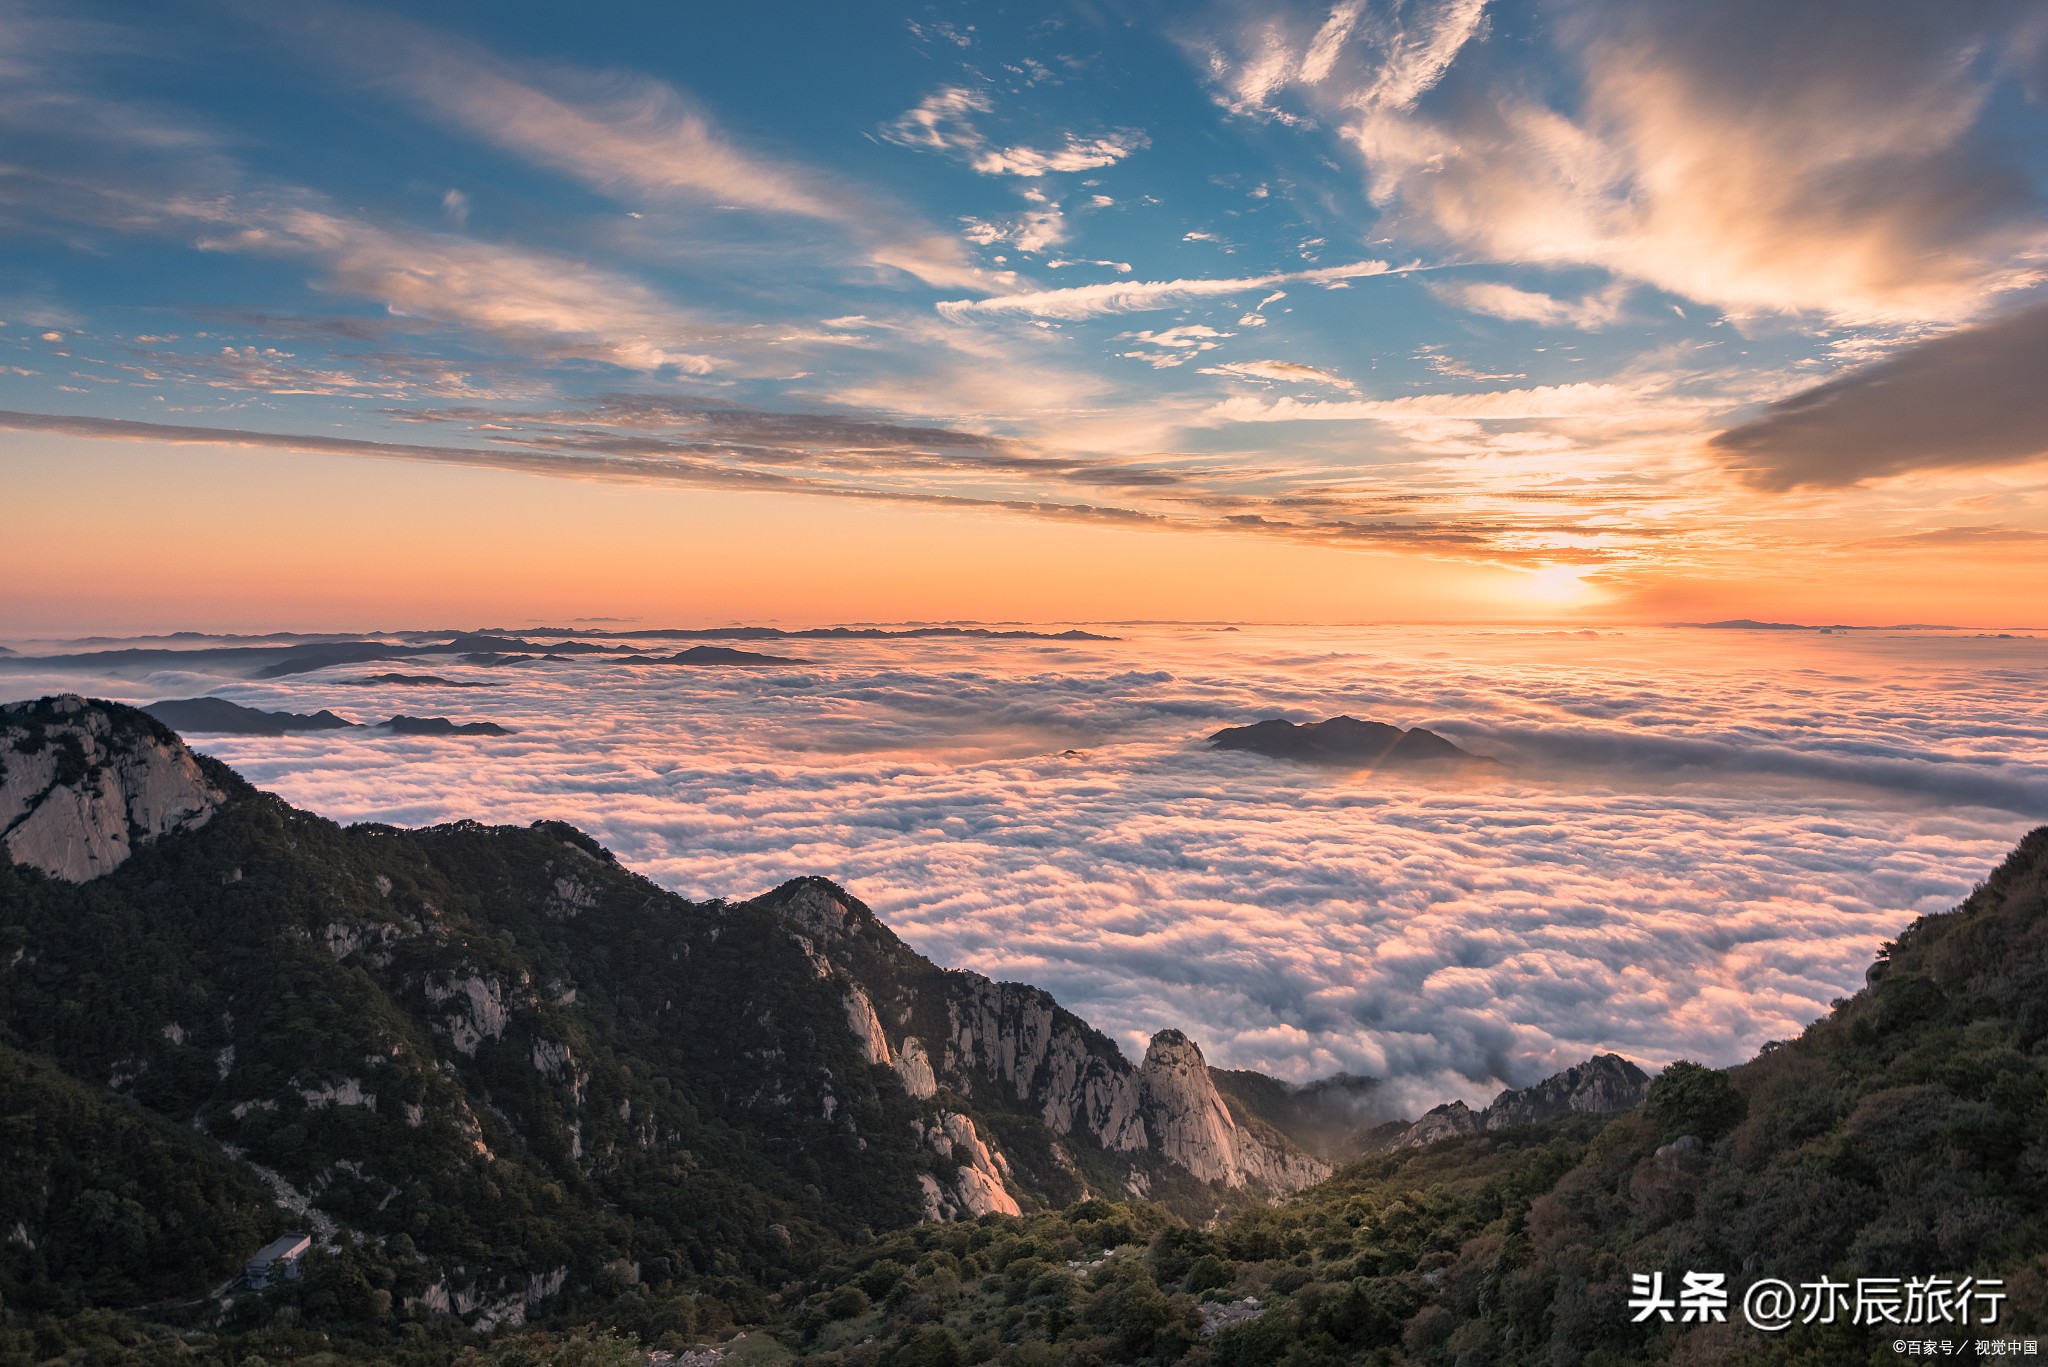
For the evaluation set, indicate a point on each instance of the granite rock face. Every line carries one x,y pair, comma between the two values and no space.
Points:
980,1183
83,786
1603,1083
1012,1048
1018,1039
1190,1124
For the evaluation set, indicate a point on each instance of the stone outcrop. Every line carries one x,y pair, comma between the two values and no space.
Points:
861,1019
1190,1124
1018,1038
914,1070
954,1037
1187,1119
1603,1083
83,786
979,1186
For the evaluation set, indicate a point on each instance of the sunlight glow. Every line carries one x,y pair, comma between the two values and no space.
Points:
1560,585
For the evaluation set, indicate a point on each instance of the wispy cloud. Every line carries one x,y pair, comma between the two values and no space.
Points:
638,440
1497,300
1736,153
1136,296
1601,401
557,304
944,122
1037,229
1291,372
1385,58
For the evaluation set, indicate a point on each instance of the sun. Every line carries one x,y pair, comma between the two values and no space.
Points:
1556,585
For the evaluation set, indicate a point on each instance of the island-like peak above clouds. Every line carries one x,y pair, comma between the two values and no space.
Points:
442,726
722,655
1344,742
218,716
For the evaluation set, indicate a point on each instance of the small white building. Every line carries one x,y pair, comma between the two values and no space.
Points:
280,1256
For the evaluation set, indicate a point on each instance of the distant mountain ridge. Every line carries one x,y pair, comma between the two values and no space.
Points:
222,717
219,716
287,654
499,1076
1602,1084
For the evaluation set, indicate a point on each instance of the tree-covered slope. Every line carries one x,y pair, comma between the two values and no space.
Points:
1903,1136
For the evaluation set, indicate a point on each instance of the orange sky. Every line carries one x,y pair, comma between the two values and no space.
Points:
193,536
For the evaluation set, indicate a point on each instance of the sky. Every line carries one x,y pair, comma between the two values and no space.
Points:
1692,842
343,315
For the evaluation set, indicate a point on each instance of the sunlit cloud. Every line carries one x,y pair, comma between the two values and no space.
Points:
1642,228
1531,306
1291,372
944,122
521,295
1735,153
1600,401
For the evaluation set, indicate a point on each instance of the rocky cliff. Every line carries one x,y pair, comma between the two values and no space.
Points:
1603,1083
83,785
1011,1048
1190,1124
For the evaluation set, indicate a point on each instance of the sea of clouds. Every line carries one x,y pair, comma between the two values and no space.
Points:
1695,841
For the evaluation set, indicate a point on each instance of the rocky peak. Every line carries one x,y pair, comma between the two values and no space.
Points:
821,909
85,784
1184,1113
1605,1082
1190,1123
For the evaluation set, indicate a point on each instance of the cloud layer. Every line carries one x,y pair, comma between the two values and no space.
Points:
1698,841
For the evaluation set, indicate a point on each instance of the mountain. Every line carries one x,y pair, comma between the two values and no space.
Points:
441,726
418,681
822,634
508,1085
722,655
221,717
1900,1140
83,786
1344,742
1332,1118
1604,1083
483,1065
304,657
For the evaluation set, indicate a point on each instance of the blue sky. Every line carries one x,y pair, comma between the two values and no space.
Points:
1555,290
